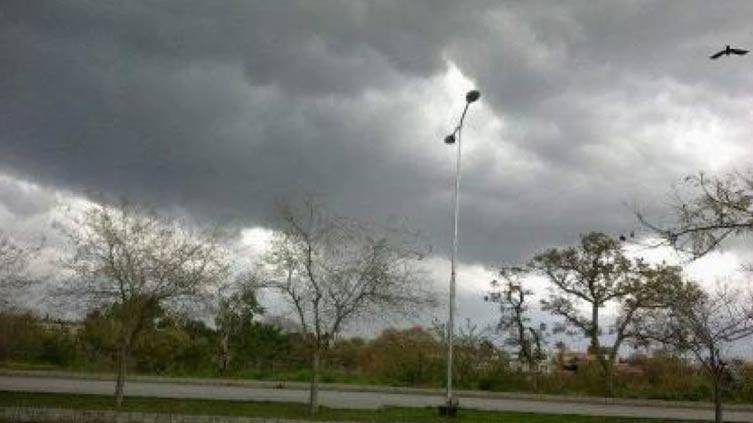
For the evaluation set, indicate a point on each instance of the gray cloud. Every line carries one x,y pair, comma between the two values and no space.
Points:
222,108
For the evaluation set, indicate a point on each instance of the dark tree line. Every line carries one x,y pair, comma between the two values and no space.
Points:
175,345
140,272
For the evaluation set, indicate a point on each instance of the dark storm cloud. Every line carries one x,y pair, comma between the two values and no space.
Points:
225,107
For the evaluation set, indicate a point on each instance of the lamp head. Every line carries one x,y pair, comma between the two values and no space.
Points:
472,96
450,139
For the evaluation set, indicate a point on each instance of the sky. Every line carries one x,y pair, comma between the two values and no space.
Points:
218,110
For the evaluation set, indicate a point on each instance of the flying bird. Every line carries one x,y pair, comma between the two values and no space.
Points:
727,51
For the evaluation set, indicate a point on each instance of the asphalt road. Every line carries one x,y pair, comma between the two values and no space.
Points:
348,399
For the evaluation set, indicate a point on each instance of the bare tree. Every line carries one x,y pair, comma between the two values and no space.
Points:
14,262
335,271
597,272
514,321
237,306
137,262
703,324
706,211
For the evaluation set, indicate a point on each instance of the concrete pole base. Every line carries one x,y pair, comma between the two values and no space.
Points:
449,408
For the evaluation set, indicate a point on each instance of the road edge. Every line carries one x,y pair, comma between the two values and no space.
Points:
377,389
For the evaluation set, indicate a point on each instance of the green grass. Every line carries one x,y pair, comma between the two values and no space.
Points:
286,410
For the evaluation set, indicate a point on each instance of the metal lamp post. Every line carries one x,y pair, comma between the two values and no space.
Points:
451,405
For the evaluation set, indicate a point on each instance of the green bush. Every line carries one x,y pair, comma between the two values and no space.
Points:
175,346
503,380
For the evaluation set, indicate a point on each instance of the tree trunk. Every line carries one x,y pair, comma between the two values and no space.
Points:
595,345
597,352
120,382
717,399
420,372
534,378
314,393
609,369
225,352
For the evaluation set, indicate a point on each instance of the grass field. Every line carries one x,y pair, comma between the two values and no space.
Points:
288,411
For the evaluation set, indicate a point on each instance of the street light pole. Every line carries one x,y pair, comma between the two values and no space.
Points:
456,136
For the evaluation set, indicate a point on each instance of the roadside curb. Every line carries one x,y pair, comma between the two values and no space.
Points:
379,389
57,415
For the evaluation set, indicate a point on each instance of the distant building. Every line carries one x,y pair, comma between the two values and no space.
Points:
543,366
569,361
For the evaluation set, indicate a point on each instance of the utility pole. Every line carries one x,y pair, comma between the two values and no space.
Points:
451,404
